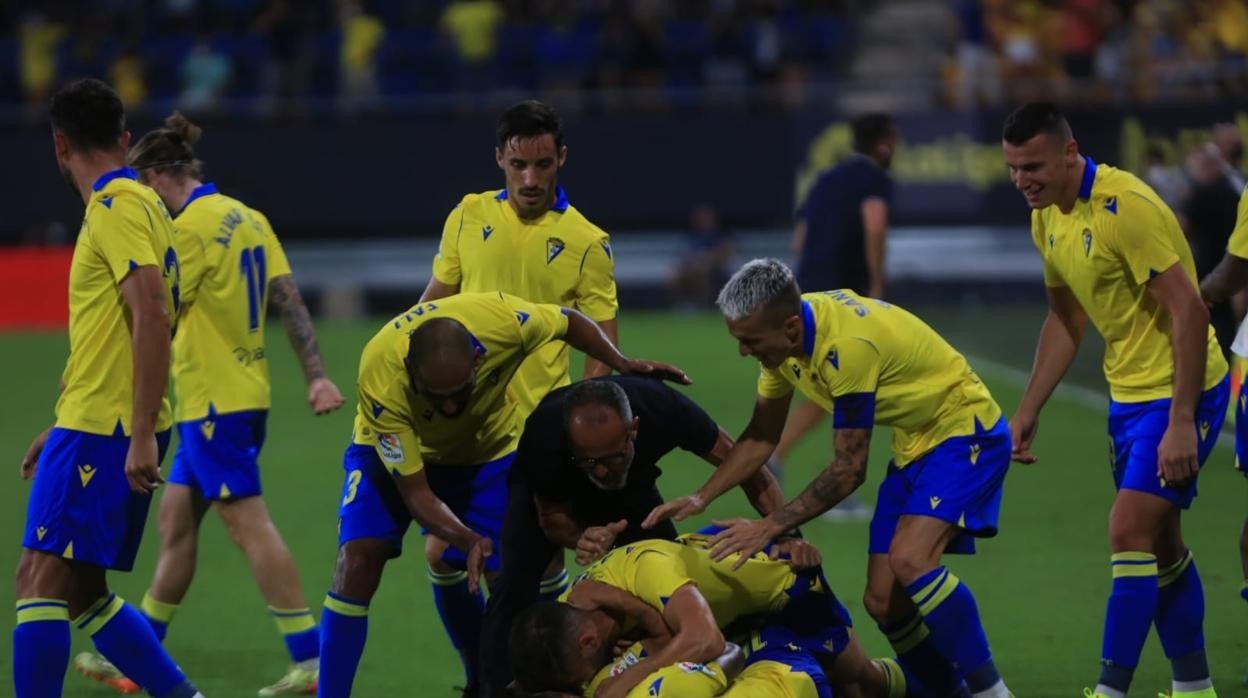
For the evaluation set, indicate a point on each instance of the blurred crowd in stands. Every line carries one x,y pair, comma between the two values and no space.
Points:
1097,51
276,55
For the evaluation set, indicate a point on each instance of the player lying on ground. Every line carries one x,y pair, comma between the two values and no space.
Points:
659,588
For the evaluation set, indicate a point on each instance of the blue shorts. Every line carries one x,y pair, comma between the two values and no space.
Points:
1135,431
776,643
818,620
371,506
81,507
959,481
218,456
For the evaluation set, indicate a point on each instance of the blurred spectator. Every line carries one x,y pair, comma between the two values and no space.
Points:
38,38
698,275
205,76
1166,178
362,35
977,82
127,77
285,78
1230,146
1210,217
472,27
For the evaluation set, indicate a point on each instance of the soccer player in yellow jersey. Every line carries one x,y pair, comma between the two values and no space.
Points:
674,591
96,467
526,240
232,267
435,434
1114,254
869,362
1227,279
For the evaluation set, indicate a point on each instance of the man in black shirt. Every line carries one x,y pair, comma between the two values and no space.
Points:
585,478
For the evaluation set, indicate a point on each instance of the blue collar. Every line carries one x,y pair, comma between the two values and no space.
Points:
1089,175
107,177
808,328
561,199
204,189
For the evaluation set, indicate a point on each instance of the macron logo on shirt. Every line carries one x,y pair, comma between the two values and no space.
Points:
485,231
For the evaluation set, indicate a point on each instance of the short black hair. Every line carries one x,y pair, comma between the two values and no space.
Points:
869,130
598,391
542,645
1033,119
527,119
89,113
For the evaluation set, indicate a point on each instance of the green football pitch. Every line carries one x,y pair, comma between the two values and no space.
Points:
1041,584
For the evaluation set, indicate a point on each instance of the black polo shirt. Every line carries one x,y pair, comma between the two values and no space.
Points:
667,420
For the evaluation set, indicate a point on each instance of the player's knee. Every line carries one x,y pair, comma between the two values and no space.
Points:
246,521
1129,532
42,575
909,564
878,605
359,567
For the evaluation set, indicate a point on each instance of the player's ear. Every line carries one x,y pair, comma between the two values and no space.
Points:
632,428
124,141
498,157
563,155
60,142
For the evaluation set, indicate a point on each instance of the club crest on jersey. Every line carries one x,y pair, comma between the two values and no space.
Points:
390,448
1087,242
554,248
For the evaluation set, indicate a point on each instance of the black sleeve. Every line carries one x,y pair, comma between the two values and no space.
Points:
881,186
539,462
692,427
525,553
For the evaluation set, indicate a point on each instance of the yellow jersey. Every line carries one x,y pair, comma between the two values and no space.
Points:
125,226
652,570
869,362
560,258
1238,244
1119,235
761,679
229,255
405,428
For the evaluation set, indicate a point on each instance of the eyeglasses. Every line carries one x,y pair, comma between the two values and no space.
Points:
612,461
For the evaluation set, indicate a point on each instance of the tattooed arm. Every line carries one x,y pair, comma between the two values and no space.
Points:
323,395
845,474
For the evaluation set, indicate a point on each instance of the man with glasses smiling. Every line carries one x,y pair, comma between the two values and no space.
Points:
585,478
435,435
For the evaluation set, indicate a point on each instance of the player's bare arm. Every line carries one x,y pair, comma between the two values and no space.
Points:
435,515
875,230
696,637
846,473
593,367
589,595
557,523
1177,455
745,458
584,334
323,395
144,292
761,488
1060,336
437,289
1226,279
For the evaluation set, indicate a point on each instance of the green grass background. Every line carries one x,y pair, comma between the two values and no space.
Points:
1041,585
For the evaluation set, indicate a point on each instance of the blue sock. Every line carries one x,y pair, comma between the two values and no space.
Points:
344,629
1128,617
40,647
554,586
299,630
1180,623
158,614
950,614
928,673
126,639
462,614
1243,591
